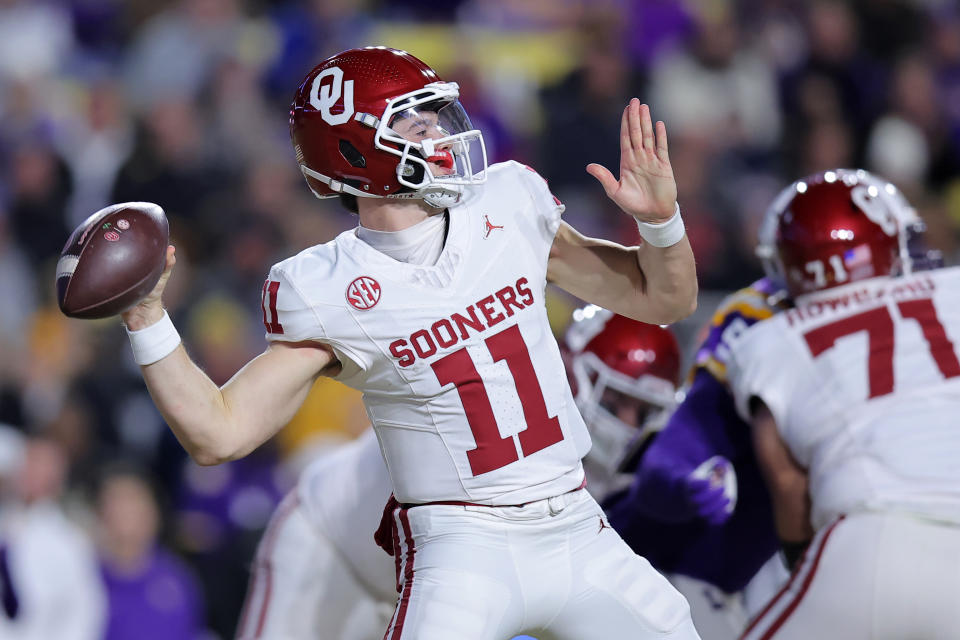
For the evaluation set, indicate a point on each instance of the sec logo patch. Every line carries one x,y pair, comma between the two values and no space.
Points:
363,293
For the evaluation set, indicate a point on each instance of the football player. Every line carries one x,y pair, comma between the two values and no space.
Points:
624,375
676,506
729,567
317,575
852,398
317,571
433,307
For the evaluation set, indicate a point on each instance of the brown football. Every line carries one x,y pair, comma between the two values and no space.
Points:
112,260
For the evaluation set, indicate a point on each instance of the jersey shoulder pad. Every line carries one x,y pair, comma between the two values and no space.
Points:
290,293
760,366
737,312
522,184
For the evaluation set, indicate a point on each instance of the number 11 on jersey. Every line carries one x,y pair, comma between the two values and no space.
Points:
494,451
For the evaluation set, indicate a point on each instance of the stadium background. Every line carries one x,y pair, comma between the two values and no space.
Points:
184,103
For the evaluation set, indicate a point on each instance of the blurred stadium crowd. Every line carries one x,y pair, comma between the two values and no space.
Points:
184,103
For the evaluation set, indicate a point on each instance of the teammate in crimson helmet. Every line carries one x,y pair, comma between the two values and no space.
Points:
841,226
624,375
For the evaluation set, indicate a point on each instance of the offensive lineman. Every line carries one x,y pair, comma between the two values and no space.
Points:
494,535
729,559
853,397
317,572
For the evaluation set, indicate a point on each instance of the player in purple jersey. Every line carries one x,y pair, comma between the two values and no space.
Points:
686,525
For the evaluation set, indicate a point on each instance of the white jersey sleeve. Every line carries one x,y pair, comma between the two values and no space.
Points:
288,316
756,371
548,206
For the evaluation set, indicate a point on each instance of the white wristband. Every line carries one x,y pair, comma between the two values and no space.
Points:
663,234
155,342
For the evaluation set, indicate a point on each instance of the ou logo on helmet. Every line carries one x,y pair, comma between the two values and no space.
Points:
875,207
323,98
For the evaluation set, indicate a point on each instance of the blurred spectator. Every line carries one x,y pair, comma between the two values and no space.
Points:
35,37
95,142
309,31
151,593
838,80
891,27
175,52
51,561
220,513
719,89
171,165
15,284
654,28
582,112
911,143
39,188
520,14
946,53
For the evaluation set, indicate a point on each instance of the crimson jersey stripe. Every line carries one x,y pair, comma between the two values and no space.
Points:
268,304
404,603
263,570
807,570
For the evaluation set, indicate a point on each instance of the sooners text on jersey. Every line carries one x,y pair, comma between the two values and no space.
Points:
461,375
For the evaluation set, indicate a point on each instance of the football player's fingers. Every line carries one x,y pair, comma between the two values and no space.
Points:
603,175
646,128
662,149
636,129
626,147
171,257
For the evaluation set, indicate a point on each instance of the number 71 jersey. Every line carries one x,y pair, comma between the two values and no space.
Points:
461,375
864,384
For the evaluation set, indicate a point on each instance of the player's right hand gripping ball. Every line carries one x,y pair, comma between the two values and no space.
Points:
112,260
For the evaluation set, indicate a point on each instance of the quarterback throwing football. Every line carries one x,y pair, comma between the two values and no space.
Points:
434,308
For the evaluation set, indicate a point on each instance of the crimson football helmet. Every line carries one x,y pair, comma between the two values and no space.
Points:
378,122
624,375
840,226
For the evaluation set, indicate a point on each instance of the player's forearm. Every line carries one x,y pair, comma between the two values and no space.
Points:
630,281
791,508
194,408
219,424
787,481
669,277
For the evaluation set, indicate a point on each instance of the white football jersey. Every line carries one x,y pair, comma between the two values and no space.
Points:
344,493
864,384
461,375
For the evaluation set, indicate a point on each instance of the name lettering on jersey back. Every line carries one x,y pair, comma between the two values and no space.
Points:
484,314
895,290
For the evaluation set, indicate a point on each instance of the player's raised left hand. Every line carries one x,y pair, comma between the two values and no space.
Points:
646,188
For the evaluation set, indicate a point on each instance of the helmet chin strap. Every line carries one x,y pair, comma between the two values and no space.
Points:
441,197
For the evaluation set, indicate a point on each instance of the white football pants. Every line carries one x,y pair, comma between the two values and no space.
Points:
871,576
302,589
553,569
719,615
